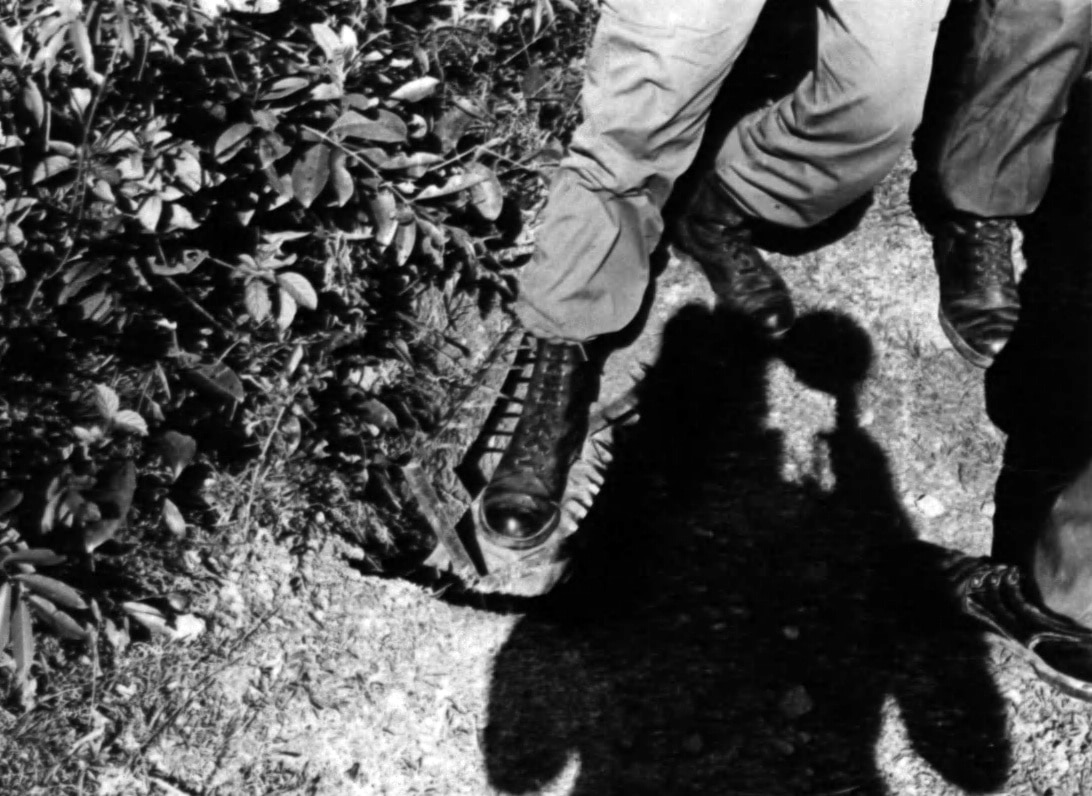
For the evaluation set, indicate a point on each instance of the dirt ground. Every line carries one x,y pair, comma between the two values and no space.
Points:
738,621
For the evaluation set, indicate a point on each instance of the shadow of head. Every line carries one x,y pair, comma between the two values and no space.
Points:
724,624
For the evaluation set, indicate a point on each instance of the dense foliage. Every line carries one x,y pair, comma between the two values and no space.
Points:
220,219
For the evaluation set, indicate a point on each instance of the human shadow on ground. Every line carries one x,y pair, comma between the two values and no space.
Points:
729,631
1039,390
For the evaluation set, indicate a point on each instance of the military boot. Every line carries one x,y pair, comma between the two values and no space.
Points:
979,305
713,230
521,506
1001,599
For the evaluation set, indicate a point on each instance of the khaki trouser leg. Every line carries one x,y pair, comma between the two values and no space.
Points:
652,72
995,154
804,158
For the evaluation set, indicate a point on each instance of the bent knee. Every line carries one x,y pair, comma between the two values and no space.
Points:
866,116
888,120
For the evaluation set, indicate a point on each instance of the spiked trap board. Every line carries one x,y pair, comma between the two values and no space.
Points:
463,550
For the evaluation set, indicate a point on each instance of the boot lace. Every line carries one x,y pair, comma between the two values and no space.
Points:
986,248
543,420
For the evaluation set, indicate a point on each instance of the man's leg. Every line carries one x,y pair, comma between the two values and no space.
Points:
799,161
802,159
993,157
652,73
653,70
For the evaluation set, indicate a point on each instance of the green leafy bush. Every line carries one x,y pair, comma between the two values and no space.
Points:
220,220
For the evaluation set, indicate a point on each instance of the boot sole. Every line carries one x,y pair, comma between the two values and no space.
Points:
1072,686
960,345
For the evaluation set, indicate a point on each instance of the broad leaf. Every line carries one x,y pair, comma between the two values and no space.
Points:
404,241
81,43
326,39
416,164
256,299
52,589
149,617
10,499
33,101
311,173
172,517
35,556
459,182
285,86
340,178
297,286
105,401
416,90
178,217
149,212
185,263
61,623
218,380
50,167
388,128
487,194
271,148
384,212
231,141
177,450
129,421
287,311
5,614
22,643
376,412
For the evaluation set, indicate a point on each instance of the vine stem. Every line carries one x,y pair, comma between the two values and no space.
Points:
260,468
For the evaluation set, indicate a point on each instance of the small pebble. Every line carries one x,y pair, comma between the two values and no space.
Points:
930,506
796,702
694,744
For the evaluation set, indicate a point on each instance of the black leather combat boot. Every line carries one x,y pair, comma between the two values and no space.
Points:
999,598
979,305
521,506
717,233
